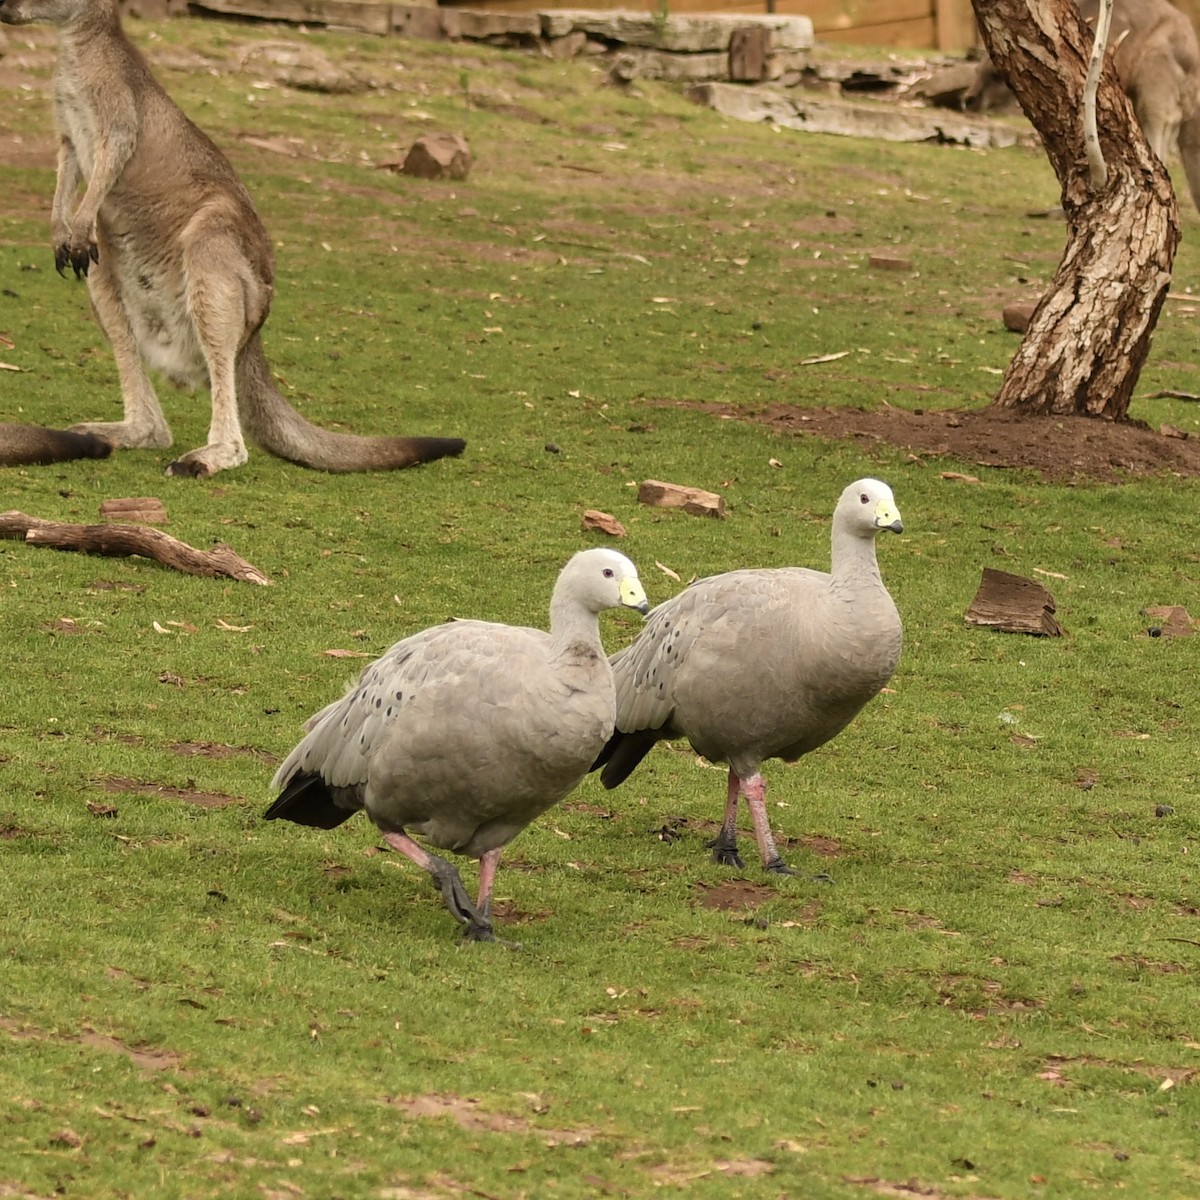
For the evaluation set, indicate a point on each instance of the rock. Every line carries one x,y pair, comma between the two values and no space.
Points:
689,33
438,156
505,27
418,21
563,48
304,68
624,70
883,122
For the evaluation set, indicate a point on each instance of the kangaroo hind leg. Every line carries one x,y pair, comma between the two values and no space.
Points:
222,296
144,427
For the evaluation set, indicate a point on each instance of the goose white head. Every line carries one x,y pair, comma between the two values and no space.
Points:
867,506
603,578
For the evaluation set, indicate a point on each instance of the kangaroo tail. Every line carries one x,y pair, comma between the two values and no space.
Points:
1189,152
276,426
34,445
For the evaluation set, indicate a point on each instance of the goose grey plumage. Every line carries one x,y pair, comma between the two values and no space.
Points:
465,732
758,664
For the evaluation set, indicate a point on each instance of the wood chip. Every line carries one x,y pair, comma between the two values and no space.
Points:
1013,604
134,510
885,262
692,500
603,522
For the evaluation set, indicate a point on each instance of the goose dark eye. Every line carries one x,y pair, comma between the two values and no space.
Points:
865,498
608,574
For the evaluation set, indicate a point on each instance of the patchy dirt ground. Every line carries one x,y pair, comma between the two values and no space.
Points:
1061,449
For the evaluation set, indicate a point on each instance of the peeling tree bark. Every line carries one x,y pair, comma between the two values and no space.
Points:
1089,336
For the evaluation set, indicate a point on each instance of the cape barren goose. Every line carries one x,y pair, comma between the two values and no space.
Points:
465,732
760,664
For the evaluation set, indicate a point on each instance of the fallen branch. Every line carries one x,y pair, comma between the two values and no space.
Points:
1171,394
123,540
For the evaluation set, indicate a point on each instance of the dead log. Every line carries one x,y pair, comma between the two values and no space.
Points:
124,540
673,495
1013,604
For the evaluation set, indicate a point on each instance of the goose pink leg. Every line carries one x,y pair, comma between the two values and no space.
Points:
478,925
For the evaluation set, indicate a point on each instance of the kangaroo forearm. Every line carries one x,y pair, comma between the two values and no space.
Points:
65,188
110,161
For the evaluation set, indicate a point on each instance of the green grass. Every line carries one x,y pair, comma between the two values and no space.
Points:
995,998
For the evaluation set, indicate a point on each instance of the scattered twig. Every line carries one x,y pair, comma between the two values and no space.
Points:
1171,394
120,540
1189,941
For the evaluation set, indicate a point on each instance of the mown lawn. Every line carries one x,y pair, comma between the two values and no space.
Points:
994,998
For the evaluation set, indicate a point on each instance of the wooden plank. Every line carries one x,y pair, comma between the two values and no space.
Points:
843,15
956,25
903,35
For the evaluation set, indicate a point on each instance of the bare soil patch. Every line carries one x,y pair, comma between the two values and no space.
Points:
1060,449
189,795
735,894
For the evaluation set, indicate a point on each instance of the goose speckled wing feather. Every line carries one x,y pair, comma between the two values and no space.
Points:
758,664
466,732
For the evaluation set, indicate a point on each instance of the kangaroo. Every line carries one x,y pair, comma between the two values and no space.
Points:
1157,57
178,264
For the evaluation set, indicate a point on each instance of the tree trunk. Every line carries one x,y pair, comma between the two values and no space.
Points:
1090,334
